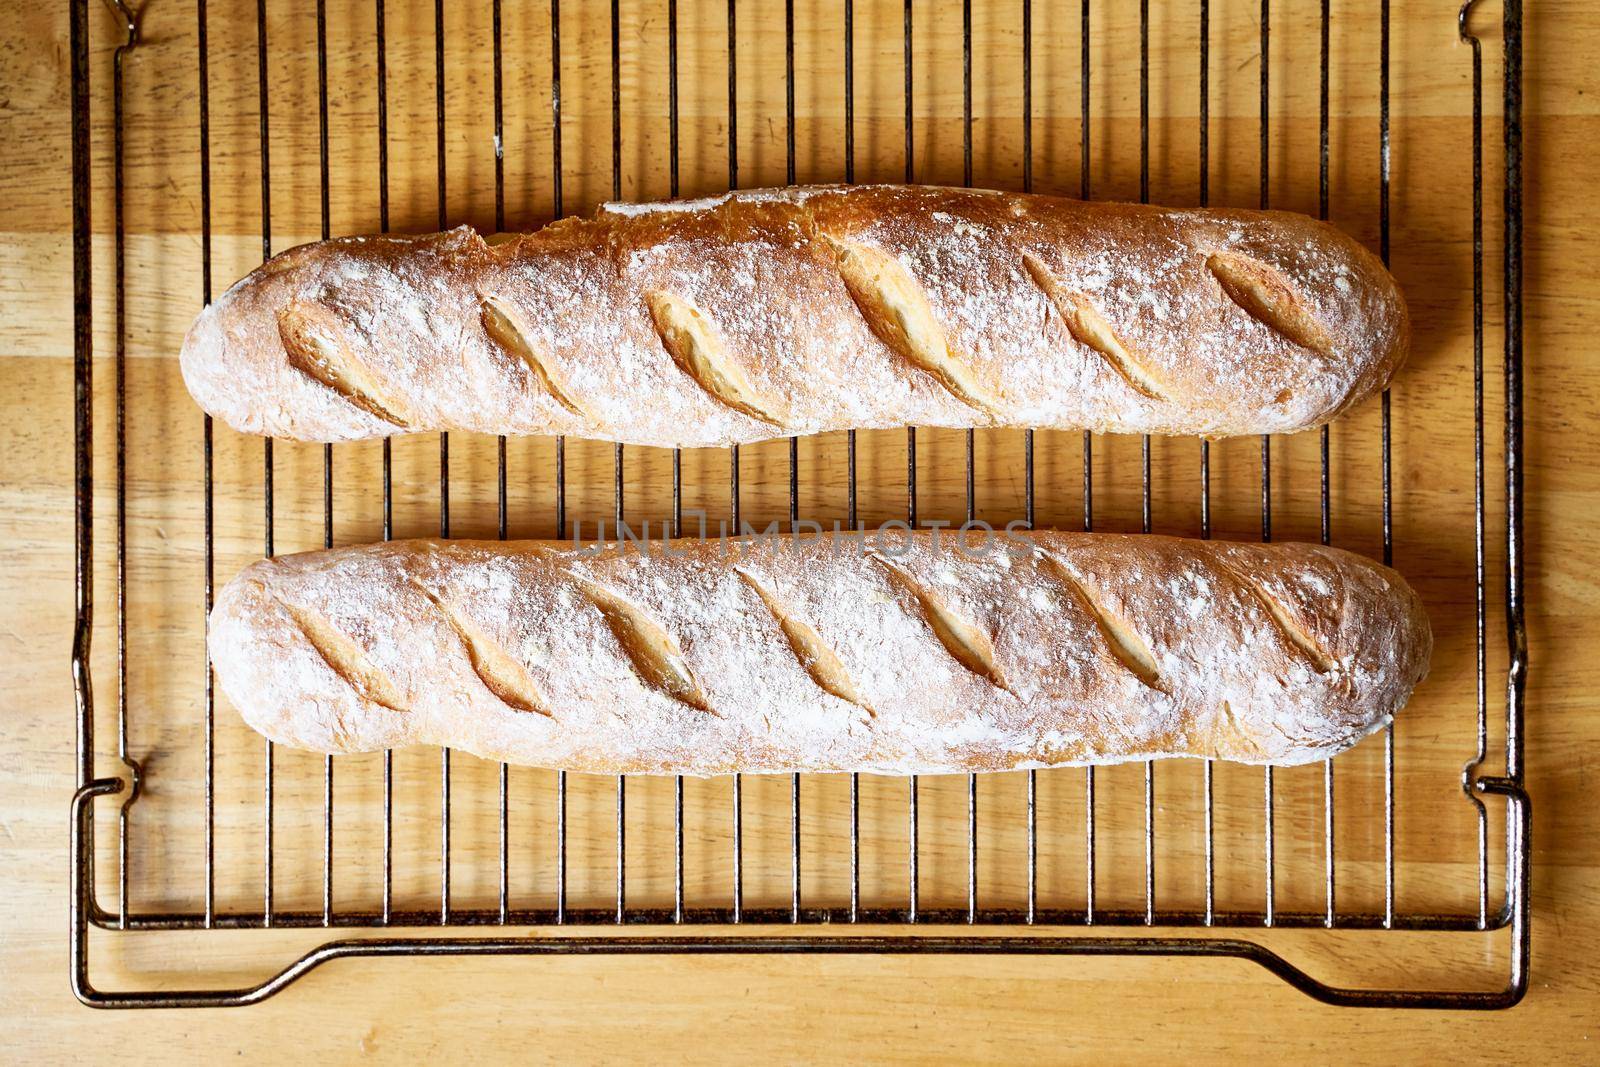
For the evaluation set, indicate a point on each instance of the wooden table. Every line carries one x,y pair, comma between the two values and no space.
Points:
863,1007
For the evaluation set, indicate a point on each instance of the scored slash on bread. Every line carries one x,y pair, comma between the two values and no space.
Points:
768,313
1293,633
897,310
1264,294
344,657
313,345
967,644
656,657
500,672
1089,328
820,661
699,350
1121,638
500,324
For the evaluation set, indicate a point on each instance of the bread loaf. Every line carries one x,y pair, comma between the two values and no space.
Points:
778,312
891,653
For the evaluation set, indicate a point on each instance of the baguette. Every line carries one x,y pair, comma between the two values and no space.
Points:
773,313
892,653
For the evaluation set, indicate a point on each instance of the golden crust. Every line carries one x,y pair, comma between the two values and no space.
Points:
896,654
811,309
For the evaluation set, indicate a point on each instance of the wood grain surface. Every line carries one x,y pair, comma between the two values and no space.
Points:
844,1008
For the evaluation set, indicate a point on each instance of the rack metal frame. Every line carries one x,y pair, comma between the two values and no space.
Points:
1017,931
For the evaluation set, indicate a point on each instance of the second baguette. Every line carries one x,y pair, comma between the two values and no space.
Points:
897,655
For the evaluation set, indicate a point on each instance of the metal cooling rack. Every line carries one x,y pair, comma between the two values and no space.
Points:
589,928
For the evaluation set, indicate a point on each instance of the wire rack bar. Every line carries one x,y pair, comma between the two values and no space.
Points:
1208,784
327,449
852,518
1028,440
678,912
616,194
794,444
263,121
1268,795
913,854
208,505
1478,536
733,452
133,768
971,435
444,448
500,444
776,914
1325,485
388,457
1146,515
1088,443
561,442
1388,479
